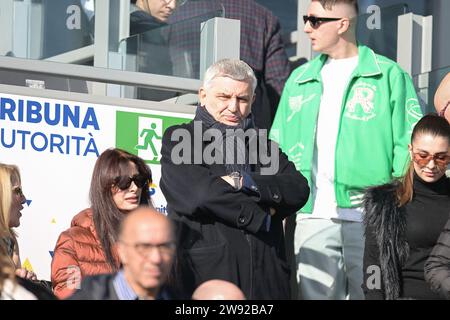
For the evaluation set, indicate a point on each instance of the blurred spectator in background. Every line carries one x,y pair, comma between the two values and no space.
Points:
120,183
146,248
437,267
442,98
150,14
148,25
261,47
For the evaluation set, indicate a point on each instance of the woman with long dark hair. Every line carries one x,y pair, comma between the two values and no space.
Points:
404,219
120,183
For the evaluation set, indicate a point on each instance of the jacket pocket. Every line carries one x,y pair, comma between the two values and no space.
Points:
206,263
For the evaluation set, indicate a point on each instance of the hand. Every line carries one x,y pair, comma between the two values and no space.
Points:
25,274
272,211
229,180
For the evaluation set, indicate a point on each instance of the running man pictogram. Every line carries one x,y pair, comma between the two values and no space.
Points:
150,134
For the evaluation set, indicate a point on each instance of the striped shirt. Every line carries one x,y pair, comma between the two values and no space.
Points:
125,292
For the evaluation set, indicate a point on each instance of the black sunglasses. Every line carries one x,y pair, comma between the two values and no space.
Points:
317,21
124,182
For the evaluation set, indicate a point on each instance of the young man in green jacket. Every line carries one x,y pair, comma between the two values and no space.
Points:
345,120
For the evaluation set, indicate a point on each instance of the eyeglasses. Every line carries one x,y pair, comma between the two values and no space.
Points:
18,191
317,21
124,182
144,249
178,3
422,159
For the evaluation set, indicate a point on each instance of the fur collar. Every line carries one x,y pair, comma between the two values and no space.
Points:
388,222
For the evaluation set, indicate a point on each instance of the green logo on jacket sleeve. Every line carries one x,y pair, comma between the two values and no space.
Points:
296,104
414,112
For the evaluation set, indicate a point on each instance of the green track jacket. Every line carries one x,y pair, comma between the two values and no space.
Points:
379,110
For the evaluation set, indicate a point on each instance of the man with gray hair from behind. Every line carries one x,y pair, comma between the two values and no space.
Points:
226,193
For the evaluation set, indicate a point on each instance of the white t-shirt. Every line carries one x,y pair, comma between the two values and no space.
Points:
336,77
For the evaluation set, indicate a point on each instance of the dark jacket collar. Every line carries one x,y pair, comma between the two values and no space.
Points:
201,114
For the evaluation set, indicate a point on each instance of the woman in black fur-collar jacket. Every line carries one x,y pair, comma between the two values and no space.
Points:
403,219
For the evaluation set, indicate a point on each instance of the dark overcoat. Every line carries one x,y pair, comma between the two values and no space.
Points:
221,231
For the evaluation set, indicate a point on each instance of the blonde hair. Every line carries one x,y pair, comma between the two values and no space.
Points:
7,269
9,175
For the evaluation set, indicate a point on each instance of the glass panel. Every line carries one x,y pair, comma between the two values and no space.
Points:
382,36
287,15
185,35
416,6
45,28
68,25
42,81
172,49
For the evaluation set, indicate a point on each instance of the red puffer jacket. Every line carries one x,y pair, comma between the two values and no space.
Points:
78,253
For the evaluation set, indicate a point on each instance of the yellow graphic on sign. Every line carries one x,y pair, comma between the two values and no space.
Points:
53,221
27,265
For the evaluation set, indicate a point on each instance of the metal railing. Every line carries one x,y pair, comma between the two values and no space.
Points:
103,75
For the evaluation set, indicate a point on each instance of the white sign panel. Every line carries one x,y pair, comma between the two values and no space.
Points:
55,144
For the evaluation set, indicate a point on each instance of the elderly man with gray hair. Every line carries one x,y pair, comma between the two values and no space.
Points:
228,189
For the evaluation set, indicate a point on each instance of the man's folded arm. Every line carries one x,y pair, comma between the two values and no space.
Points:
192,189
286,191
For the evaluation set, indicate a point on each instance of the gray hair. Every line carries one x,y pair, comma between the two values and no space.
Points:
230,68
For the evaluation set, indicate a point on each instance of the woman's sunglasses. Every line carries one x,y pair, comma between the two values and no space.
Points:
124,182
317,21
440,159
